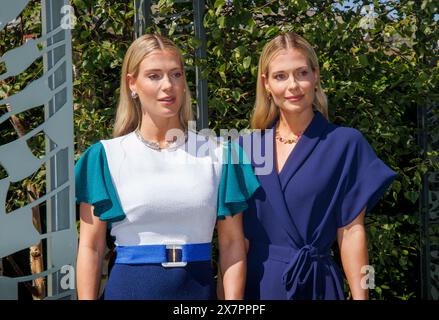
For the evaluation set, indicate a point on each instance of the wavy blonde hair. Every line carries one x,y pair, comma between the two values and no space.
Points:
129,114
265,111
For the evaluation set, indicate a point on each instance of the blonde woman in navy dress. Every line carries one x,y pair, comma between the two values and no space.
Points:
160,195
325,179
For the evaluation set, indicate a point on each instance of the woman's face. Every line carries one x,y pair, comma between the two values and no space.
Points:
160,84
291,81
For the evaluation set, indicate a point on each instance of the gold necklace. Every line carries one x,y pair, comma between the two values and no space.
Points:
283,140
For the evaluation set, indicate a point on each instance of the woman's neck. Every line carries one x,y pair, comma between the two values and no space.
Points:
294,123
157,129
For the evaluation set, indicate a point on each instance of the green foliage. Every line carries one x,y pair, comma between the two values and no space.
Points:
375,80
103,32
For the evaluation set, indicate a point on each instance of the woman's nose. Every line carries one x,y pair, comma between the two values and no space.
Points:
167,83
293,83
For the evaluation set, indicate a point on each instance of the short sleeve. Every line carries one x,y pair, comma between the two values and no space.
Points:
93,184
366,180
238,181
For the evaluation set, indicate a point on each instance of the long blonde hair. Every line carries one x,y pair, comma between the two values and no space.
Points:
265,111
129,114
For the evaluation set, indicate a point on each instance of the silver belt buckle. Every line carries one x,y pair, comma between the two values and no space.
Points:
171,255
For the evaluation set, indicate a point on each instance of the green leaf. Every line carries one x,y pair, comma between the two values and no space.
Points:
236,95
85,34
411,195
246,63
363,60
223,76
222,22
271,31
267,11
219,3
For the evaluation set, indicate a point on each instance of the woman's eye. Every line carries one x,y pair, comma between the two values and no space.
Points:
177,75
280,76
154,76
303,73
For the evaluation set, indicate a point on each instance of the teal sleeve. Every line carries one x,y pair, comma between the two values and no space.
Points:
93,184
238,181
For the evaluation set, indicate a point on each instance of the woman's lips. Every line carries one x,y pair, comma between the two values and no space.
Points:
294,98
167,101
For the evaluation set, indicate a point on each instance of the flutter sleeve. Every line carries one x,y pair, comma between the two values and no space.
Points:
238,181
93,184
366,180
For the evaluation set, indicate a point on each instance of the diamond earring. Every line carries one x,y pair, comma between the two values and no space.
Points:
134,95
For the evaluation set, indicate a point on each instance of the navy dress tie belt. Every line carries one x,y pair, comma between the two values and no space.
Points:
302,267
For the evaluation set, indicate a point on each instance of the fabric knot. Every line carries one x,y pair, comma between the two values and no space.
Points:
313,252
302,270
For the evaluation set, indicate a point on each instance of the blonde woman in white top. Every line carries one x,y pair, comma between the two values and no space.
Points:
161,196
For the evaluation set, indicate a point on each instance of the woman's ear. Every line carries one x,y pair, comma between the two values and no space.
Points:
265,82
316,76
131,82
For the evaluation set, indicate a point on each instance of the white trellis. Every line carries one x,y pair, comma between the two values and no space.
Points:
53,90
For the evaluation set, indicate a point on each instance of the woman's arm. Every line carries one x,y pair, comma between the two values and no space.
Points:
90,253
233,264
353,250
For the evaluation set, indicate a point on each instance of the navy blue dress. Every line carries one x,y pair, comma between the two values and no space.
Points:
292,220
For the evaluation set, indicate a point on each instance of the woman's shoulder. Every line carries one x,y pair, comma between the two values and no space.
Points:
100,147
345,134
94,149
117,140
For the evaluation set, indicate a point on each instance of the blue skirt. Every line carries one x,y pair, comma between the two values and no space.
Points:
154,282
